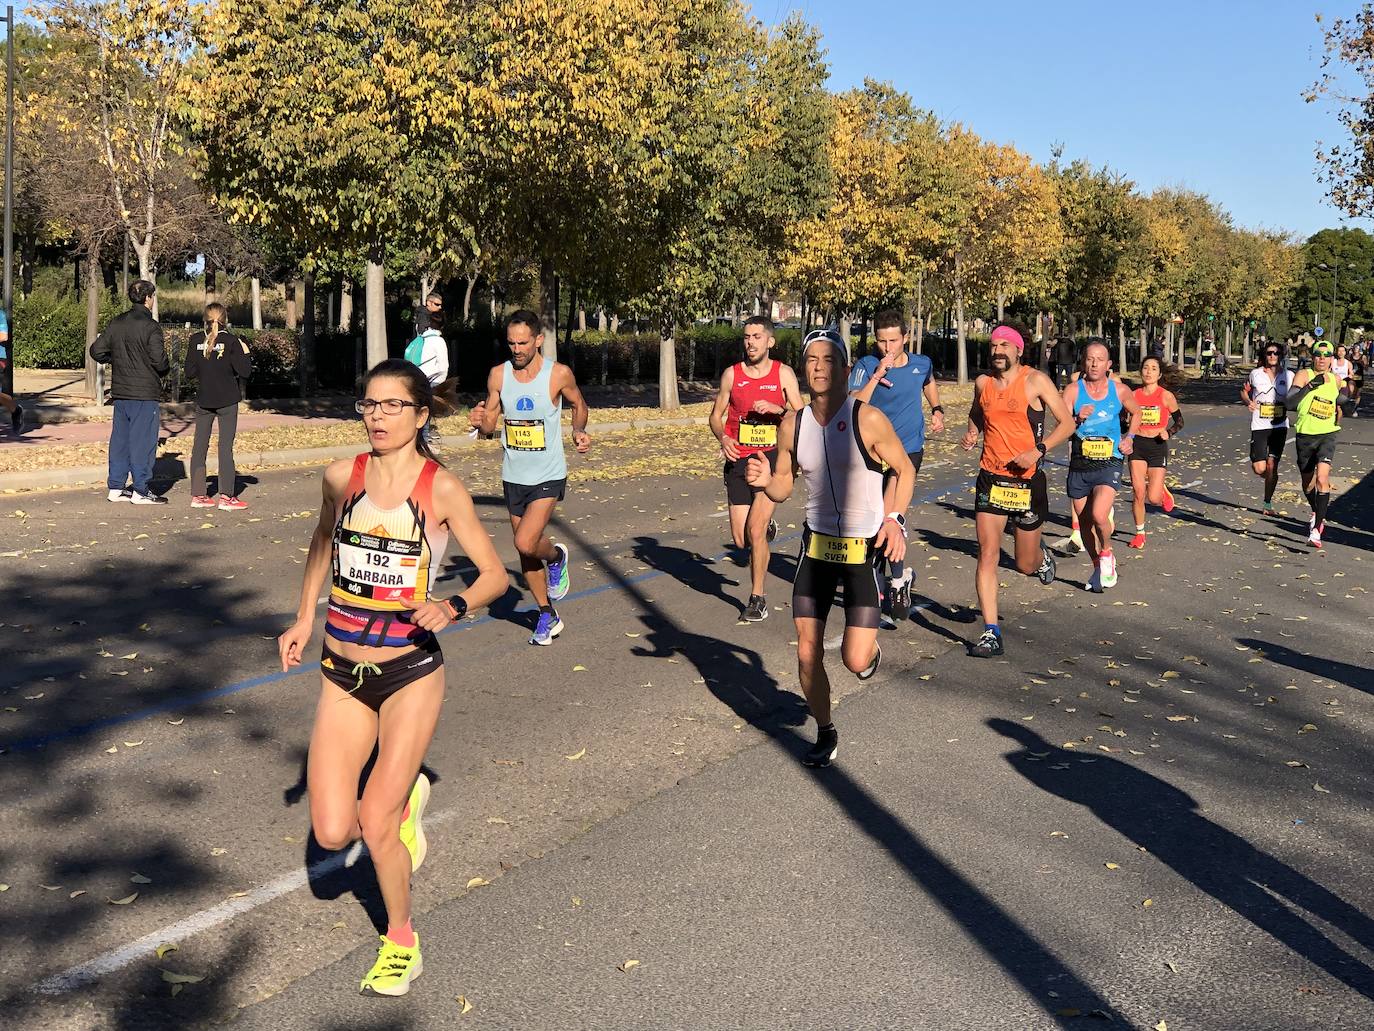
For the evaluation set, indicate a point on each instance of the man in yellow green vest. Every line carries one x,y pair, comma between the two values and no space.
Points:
1317,396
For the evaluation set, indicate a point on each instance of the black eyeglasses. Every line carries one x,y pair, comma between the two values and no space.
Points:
1275,353
391,406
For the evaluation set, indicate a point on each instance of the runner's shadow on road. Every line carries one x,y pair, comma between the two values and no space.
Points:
737,676
1166,823
1358,677
1286,543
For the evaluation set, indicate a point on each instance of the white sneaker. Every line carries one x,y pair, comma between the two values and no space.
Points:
120,495
146,499
1108,568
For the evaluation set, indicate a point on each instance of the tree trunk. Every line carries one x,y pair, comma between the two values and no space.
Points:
605,358
615,324
581,319
570,358
667,368
375,309
1098,332
1230,329
1001,304
548,308
601,320
93,370
1120,346
1143,337
290,295
255,287
306,371
426,281
346,305
467,300
144,252
961,358
211,284
331,309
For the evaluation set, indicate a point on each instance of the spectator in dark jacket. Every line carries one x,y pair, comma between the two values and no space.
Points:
220,362
132,344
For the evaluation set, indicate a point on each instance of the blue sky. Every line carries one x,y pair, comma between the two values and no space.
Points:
1206,94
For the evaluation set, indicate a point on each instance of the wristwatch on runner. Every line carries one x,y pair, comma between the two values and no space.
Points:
899,519
1040,446
458,606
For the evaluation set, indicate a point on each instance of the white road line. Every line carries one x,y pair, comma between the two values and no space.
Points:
116,959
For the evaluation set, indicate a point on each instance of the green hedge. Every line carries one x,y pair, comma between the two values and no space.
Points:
49,332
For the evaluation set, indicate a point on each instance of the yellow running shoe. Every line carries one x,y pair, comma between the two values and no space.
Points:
412,831
394,970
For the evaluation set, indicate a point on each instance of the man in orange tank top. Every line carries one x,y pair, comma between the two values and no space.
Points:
1008,410
754,395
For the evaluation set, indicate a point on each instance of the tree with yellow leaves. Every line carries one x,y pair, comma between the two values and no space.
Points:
998,222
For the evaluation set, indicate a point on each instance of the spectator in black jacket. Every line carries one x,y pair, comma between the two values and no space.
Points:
132,344
220,362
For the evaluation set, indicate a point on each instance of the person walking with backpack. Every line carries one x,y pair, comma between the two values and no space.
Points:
219,361
132,344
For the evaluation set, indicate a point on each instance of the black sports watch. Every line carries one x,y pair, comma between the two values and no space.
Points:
937,408
458,605
1040,446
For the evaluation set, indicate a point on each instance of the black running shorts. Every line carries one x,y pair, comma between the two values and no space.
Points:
1153,451
519,495
1267,444
374,684
1007,496
738,490
1314,449
815,584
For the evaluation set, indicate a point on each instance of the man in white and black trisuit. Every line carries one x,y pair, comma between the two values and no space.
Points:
754,396
839,445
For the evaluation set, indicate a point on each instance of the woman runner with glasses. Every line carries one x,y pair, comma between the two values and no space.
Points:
1265,393
384,526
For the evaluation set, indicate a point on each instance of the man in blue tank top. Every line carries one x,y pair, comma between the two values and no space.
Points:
526,394
1097,400
893,381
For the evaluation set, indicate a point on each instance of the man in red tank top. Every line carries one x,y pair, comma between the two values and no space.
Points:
754,395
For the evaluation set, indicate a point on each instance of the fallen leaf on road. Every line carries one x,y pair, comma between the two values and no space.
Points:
1179,719
1318,787
576,755
1147,903
177,723
462,1001
478,882
138,878
628,965
1294,763
165,948
497,819
219,851
132,744
628,634
50,887
1169,674
124,901
112,750
1307,728
131,655
1112,866
4,887
339,925
579,669
1161,1026
79,891
171,977
1170,964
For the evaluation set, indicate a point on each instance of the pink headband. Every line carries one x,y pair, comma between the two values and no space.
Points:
1010,336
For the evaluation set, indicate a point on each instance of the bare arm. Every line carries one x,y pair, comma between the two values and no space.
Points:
570,392
791,390
485,414
975,417
883,444
728,444
932,394
1127,398
867,382
317,566
778,483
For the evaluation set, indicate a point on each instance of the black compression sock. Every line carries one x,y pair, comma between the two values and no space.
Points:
829,728
1311,497
1269,492
1319,506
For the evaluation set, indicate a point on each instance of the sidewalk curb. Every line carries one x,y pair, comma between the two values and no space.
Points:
87,474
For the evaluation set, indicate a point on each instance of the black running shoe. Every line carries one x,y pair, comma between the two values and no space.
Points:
988,645
823,751
772,533
1046,571
757,609
901,599
877,661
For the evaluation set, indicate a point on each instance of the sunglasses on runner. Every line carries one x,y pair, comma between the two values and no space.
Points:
391,406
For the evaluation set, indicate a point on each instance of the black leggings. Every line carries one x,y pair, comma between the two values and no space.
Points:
228,417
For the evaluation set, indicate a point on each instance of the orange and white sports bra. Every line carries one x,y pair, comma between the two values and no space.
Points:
380,557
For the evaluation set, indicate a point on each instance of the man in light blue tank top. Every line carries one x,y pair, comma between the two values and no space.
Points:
1099,450
526,395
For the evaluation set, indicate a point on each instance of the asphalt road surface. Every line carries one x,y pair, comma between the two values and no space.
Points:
1154,812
